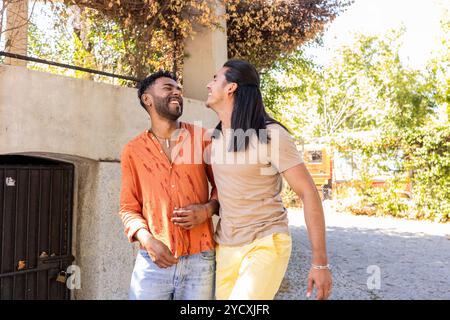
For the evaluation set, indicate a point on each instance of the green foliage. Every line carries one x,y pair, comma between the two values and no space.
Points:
427,155
373,108
387,200
438,68
423,161
365,87
137,37
53,44
287,85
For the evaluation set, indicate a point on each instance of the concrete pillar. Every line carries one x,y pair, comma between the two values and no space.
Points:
17,30
205,54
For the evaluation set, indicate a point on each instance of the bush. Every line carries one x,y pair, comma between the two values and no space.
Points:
428,159
425,163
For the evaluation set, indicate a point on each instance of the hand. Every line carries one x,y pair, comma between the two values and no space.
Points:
157,250
191,216
321,279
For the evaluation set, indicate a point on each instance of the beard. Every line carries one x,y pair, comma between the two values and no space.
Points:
165,110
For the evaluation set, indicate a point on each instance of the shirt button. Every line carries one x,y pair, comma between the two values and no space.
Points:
173,186
160,151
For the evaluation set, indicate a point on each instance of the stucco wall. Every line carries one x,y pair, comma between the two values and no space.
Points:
50,113
105,257
87,124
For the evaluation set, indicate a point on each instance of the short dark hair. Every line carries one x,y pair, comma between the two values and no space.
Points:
148,82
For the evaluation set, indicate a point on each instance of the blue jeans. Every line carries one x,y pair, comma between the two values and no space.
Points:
192,278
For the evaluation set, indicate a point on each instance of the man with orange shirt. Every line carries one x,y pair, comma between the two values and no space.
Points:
165,203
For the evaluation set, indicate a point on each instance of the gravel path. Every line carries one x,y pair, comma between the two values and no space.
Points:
412,258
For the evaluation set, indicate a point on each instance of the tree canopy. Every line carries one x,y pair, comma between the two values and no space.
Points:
258,31
366,86
385,118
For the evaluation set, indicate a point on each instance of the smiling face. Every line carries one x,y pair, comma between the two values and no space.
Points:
220,91
166,97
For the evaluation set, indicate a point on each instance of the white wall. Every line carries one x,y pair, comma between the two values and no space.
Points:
49,113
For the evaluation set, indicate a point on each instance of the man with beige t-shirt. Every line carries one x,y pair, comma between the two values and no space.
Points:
251,206
250,154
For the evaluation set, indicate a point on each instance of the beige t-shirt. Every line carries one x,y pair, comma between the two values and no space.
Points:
249,184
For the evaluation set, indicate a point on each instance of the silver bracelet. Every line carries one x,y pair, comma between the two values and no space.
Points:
320,267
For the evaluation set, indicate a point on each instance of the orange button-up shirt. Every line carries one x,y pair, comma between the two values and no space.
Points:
153,186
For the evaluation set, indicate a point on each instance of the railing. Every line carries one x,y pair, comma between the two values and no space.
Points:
67,66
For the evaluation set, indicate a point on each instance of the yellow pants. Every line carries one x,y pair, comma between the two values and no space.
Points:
253,271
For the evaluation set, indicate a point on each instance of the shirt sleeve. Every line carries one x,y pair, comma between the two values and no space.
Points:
207,157
283,150
213,195
130,201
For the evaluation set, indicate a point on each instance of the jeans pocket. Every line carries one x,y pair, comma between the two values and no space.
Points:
208,255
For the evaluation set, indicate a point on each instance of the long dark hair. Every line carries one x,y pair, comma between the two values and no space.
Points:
248,110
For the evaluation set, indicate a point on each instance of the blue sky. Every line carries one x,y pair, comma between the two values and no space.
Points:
420,18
